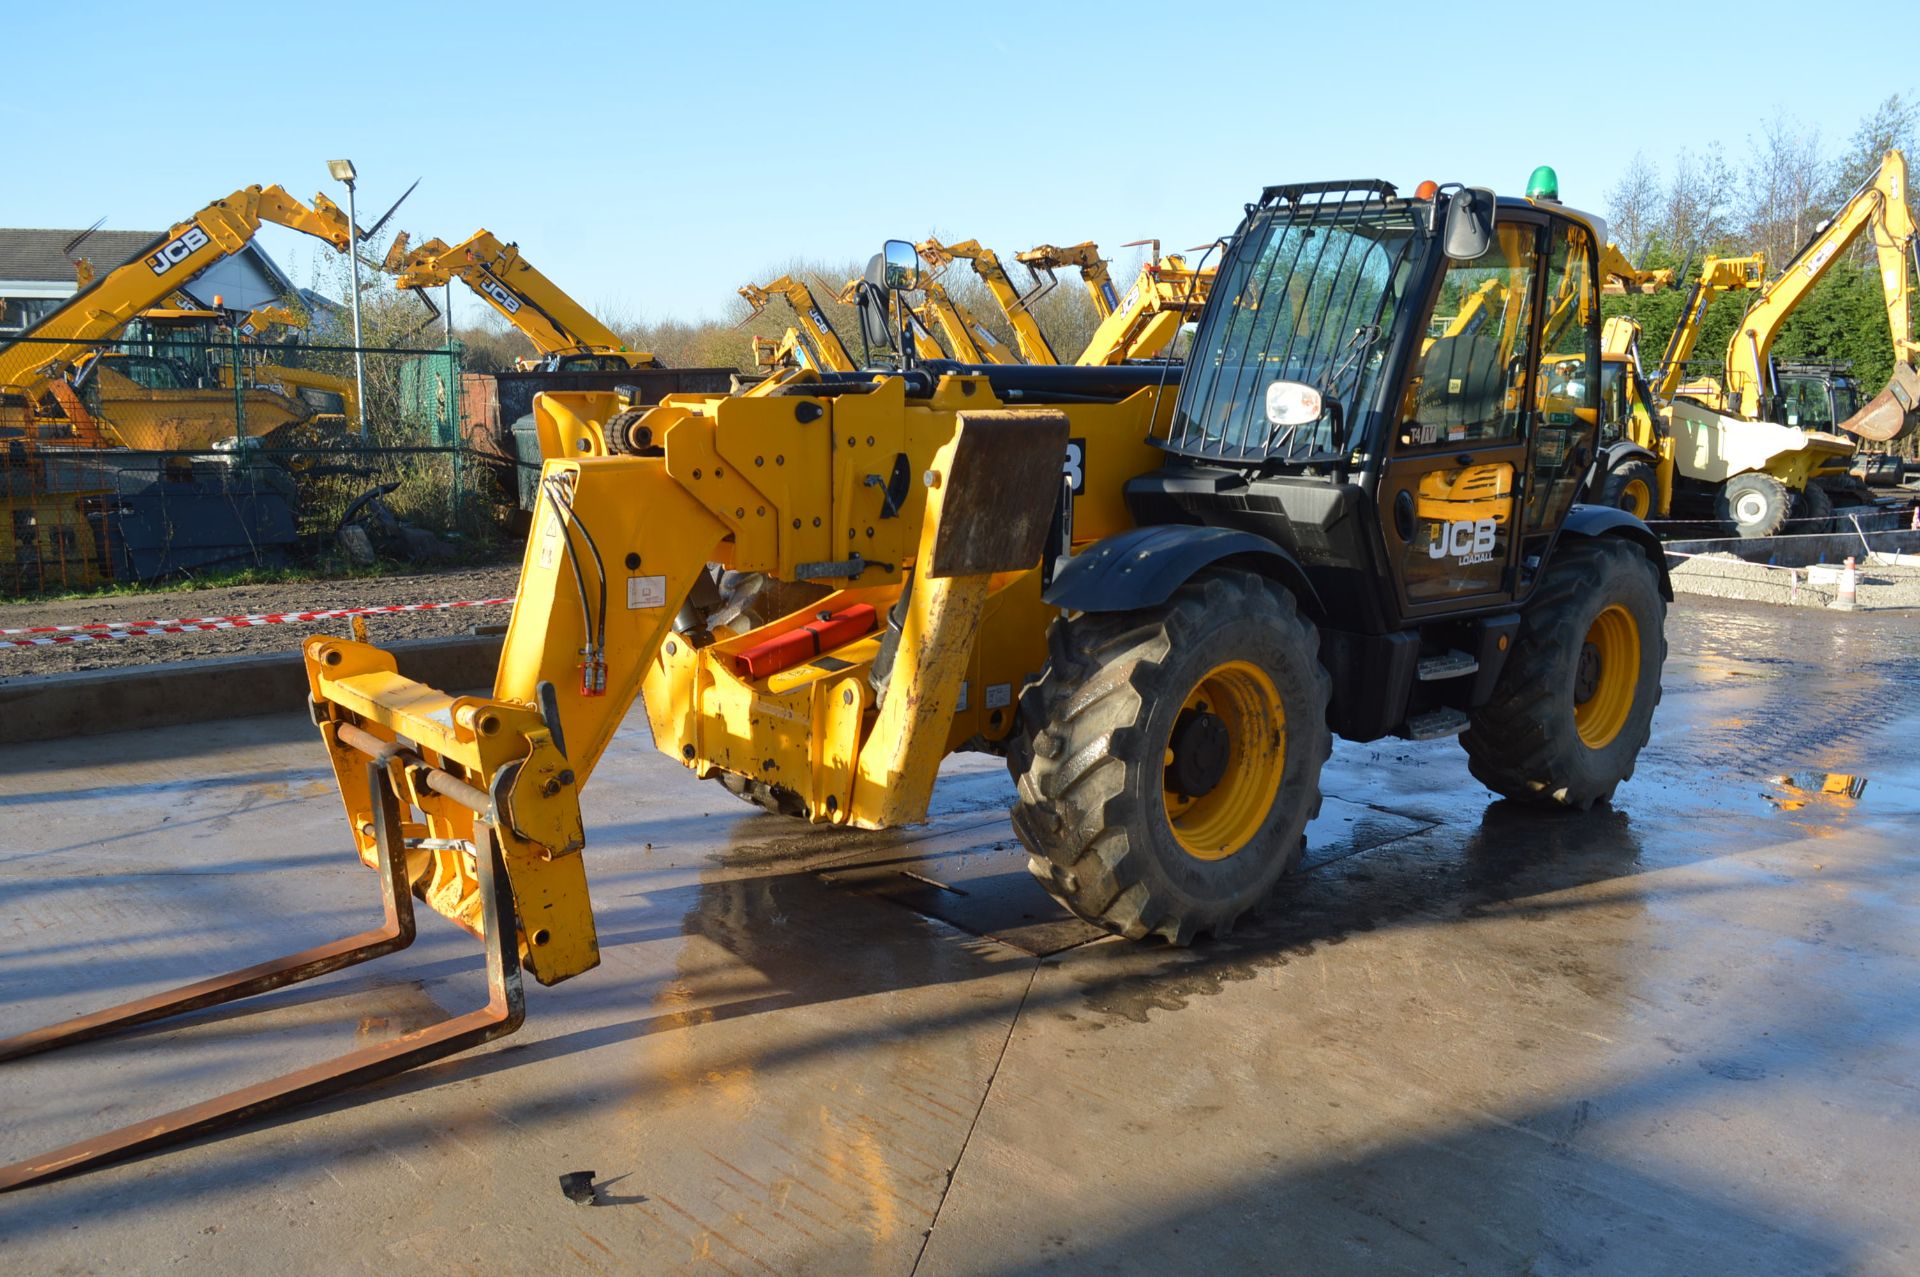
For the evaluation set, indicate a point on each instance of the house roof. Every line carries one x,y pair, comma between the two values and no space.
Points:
42,254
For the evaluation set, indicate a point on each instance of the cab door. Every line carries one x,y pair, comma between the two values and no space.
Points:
1457,463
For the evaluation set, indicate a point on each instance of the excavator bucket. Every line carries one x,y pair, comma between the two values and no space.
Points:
1893,413
502,1015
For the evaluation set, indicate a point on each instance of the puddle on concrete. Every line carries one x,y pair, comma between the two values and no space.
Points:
1797,790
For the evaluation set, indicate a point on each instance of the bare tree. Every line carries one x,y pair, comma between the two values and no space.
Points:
1784,186
1694,219
1893,125
1633,205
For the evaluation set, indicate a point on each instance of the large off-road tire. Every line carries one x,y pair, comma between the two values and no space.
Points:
1754,504
1167,760
1812,510
1574,703
1632,486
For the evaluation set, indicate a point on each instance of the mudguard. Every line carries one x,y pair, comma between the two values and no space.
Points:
1607,521
1624,450
1142,567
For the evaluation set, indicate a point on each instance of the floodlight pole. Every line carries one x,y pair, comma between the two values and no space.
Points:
343,171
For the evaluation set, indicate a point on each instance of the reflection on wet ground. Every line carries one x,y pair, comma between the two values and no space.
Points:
1672,1035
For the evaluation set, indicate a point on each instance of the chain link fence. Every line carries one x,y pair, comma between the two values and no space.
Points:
176,455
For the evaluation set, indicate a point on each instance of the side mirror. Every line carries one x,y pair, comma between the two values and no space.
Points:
1469,230
902,266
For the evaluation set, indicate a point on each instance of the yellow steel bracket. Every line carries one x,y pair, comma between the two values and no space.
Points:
990,492
469,767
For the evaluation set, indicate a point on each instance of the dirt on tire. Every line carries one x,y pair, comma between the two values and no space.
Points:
454,584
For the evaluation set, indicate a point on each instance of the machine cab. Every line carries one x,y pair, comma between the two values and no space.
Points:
1389,392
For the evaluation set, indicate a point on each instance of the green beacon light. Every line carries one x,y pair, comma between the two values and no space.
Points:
1544,184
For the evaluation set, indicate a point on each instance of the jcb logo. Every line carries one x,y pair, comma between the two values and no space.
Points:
177,250
501,297
1470,540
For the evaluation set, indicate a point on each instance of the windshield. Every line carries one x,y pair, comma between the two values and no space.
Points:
1307,294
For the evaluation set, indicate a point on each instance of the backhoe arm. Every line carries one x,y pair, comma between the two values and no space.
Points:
1717,275
1880,205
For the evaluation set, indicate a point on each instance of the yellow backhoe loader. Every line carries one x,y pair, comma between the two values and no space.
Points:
1767,449
1159,592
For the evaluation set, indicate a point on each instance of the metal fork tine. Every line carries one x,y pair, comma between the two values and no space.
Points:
308,963
505,1009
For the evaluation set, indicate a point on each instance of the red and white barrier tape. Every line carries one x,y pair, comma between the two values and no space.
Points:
54,635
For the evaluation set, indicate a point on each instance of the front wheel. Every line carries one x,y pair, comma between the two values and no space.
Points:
1168,760
1574,703
1631,487
1755,504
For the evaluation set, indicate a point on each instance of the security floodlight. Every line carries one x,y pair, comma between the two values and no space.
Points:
342,170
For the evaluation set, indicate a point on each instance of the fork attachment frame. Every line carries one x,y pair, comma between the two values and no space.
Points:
506,1007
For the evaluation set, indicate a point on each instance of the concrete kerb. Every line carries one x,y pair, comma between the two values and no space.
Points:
126,698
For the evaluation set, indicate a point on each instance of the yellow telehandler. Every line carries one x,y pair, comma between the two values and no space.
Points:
1158,591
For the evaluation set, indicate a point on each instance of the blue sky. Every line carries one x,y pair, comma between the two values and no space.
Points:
652,158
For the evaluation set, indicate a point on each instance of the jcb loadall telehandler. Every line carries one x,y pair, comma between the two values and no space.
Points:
1160,592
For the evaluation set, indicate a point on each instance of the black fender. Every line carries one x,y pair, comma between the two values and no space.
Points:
1624,450
1142,567
1607,521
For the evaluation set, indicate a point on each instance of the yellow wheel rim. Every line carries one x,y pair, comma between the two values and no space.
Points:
1636,499
1248,717
1606,676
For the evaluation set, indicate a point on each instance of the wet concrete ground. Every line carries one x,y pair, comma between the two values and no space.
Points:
1678,1036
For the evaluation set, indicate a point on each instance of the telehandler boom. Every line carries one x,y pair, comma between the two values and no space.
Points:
565,333
1046,259
1033,345
37,398
828,351
1159,592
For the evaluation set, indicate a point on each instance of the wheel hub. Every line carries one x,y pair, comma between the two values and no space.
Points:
1750,508
1586,674
1200,745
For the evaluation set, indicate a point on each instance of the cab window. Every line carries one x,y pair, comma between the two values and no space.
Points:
1469,381
1567,402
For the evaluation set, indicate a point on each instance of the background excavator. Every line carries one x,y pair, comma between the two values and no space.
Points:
1158,592
1769,448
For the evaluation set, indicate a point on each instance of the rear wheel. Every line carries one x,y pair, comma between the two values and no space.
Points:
1631,487
1757,505
1813,510
1169,759
1574,703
